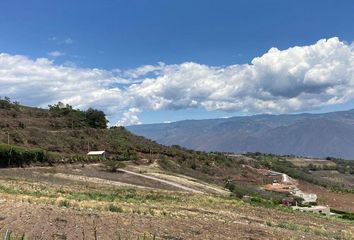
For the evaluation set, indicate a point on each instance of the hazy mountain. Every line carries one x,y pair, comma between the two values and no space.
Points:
318,135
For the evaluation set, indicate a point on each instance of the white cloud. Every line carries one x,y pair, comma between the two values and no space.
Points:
57,40
130,117
40,82
56,54
144,70
68,41
298,78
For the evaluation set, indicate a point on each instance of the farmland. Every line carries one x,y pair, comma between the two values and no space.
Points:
81,209
50,189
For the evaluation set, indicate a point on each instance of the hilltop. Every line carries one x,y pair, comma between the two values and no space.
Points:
67,131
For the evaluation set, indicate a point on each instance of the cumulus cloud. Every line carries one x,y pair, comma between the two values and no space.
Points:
294,79
130,117
40,82
56,54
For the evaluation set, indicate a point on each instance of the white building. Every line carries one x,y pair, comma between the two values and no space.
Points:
102,154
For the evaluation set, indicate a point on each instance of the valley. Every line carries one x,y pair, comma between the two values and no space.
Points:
317,135
51,189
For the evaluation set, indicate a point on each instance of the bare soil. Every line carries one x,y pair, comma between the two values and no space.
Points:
43,221
336,200
41,204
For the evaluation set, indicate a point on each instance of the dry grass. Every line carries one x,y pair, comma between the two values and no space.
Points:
79,210
305,162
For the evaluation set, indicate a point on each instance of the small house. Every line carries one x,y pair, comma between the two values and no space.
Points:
102,154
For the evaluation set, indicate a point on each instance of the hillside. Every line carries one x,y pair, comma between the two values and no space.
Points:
65,132
316,135
68,139
150,191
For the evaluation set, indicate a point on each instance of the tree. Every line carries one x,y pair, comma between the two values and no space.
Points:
96,118
60,109
5,103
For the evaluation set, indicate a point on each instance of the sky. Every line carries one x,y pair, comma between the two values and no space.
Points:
149,61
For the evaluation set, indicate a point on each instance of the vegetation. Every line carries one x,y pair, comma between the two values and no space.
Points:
90,118
281,164
44,135
96,118
41,136
111,165
344,214
7,104
157,206
14,156
255,192
10,236
342,166
113,208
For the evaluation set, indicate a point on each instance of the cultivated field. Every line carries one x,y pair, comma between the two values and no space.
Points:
75,202
304,162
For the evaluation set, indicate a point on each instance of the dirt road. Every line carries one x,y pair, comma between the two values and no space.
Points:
162,181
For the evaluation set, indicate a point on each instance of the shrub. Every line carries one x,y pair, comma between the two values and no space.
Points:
14,156
113,208
112,165
344,214
63,203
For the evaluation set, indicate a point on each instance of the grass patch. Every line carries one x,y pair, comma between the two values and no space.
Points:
10,236
113,208
343,214
63,203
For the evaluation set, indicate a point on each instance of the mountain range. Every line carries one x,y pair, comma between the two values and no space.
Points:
313,135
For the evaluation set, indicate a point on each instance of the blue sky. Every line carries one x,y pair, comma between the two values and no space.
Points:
126,35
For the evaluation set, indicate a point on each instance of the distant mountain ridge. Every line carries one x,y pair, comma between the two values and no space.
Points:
316,135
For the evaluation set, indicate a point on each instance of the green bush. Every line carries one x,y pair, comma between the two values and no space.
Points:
112,165
113,208
344,214
14,156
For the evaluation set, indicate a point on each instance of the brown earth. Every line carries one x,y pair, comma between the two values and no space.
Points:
47,207
242,222
336,200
